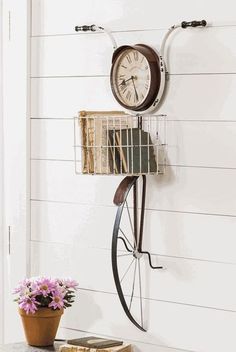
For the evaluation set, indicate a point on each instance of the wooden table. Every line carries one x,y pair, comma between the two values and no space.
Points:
23,347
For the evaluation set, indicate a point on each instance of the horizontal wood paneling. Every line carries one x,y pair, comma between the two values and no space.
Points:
180,281
209,144
72,223
191,51
50,98
199,97
173,325
120,15
204,144
53,180
85,55
52,139
199,190
193,190
166,233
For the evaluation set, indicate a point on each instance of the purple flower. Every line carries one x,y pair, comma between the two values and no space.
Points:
62,290
69,283
57,301
44,286
29,304
45,292
23,288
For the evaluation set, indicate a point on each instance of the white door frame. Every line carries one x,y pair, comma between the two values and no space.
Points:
1,186
16,152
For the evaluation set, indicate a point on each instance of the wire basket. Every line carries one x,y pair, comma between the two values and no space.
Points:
115,143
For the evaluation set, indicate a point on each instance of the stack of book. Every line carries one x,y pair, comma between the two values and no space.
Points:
131,152
94,344
94,138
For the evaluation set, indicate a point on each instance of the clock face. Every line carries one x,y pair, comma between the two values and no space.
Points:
135,76
131,78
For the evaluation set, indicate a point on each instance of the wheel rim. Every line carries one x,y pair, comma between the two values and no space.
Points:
126,258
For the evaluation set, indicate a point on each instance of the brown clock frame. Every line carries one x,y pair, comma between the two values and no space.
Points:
155,75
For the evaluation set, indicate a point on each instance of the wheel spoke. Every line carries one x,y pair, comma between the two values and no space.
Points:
127,270
131,224
140,293
132,295
126,238
124,255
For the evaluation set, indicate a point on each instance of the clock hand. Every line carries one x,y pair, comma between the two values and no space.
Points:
125,80
135,90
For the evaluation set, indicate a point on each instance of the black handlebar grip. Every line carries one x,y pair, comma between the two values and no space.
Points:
202,23
85,28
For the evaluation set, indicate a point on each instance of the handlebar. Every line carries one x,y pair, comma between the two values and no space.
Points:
86,28
95,28
202,23
184,24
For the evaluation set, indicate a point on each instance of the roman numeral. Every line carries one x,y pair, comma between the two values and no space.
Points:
123,66
128,95
135,98
128,58
135,55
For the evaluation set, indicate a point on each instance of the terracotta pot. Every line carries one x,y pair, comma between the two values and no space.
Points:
41,327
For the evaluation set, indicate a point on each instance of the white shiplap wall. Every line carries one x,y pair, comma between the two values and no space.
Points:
1,183
191,210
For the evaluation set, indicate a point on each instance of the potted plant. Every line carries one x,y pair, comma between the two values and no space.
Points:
41,303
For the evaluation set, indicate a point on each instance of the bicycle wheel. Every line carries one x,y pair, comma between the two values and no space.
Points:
128,258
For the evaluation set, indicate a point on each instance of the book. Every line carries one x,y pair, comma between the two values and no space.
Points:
74,348
120,150
87,142
95,342
95,127
136,151
114,159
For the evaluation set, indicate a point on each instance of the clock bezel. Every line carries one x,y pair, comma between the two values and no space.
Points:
157,69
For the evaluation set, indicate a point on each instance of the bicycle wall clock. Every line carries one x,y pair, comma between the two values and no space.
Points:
121,143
